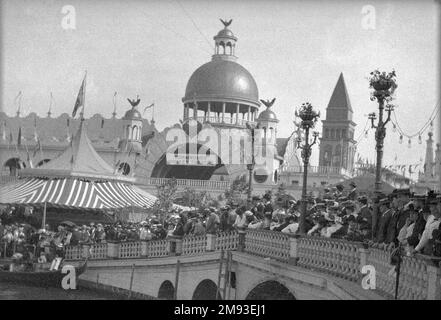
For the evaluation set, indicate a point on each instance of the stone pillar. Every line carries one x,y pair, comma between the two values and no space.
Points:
364,257
241,246
249,113
293,249
195,110
208,112
433,283
223,111
144,248
113,250
175,246
85,251
211,242
237,113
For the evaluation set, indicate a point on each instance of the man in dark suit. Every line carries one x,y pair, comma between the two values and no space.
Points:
365,212
384,219
392,231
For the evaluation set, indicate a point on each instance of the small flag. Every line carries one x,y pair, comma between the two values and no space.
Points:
148,107
80,98
19,137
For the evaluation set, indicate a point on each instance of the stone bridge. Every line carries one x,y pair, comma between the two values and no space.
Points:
251,264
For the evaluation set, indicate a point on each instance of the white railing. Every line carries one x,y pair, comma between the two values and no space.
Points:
192,245
317,170
413,283
157,248
226,120
210,184
227,240
73,253
130,249
337,257
419,279
267,243
98,251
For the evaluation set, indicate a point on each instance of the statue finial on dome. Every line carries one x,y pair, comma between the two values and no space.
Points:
268,103
134,102
225,22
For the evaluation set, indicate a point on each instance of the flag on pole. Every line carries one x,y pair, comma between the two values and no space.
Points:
80,98
148,107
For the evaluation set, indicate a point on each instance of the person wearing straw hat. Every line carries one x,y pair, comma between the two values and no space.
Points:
433,223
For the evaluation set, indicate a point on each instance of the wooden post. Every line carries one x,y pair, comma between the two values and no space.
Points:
175,294
43,221
220,274
131,281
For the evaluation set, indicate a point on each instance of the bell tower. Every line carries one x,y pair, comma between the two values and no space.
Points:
337,144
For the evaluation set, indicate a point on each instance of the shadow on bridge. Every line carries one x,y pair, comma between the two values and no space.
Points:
206,290
270,290
166,291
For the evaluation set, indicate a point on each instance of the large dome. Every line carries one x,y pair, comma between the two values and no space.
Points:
222,79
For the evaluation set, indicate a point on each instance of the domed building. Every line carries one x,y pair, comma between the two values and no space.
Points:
222,92
221,96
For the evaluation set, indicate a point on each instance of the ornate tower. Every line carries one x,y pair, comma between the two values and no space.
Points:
132,130
267,121
428,163
337,144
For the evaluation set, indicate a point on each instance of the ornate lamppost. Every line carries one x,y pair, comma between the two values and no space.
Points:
384,85
309,118
251,165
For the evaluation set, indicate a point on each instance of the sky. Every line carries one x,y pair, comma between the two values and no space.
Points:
295,50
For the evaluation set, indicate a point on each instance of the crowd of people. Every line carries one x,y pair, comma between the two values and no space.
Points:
400,217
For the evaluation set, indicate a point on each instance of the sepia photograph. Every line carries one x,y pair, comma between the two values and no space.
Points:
222,151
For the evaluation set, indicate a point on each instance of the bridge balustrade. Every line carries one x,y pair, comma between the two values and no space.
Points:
192,245
130,249
73,252
268,243
419,279
157,248
227,240
98,251
337,257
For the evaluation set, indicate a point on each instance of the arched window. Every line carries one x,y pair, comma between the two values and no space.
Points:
222,44
230,50
135,133
124,168
326,133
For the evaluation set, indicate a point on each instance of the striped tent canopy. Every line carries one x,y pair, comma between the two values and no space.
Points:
75,193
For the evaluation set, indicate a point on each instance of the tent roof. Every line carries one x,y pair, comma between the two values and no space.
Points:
79,160
75,193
